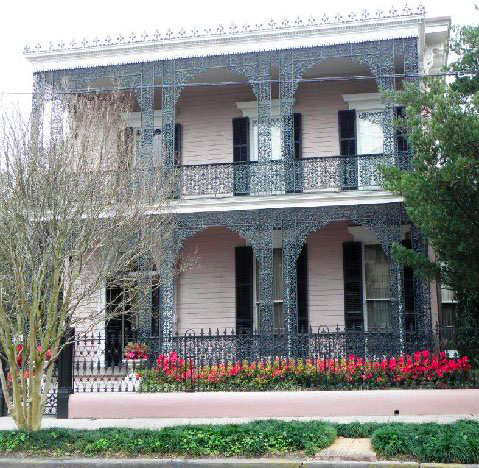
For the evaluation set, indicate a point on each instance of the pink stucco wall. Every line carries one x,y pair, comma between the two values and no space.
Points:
325,275
206,117
113,405
318,104
205,292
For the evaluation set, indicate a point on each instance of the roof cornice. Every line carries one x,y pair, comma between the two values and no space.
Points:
221,40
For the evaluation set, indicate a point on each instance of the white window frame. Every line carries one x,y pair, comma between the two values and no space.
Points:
366,102
133,121
365,299
250,109
277,244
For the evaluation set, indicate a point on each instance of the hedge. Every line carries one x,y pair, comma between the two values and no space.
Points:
252,439
441,443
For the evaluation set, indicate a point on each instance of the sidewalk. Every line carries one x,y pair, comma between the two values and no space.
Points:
217,463
6,423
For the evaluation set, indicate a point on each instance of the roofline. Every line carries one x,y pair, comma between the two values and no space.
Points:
338,21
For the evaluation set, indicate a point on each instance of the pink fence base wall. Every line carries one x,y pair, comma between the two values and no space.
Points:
273,404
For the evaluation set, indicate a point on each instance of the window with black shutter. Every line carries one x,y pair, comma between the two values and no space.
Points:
241,139
402,145
241,173
155,310
298,172
409,309
353,285
297,136
178,141
347,148
347,132
302,289
244,288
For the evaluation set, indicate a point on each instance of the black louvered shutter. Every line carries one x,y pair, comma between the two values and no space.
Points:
244,289
347,147
178,141
297,136
402,145
347,132
297,187
155,310
302,289
241,173
353,285
409,309
241,139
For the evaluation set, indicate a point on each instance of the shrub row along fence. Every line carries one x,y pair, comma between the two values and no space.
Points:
209,361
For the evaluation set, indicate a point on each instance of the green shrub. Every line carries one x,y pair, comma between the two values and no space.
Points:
442,443
253,439
356,430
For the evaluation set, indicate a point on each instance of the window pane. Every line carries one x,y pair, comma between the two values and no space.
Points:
379,315
377,272
370,137
447,295
278,317
157,145
448,314
276,140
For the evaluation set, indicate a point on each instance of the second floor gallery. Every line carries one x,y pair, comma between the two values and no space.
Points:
280,110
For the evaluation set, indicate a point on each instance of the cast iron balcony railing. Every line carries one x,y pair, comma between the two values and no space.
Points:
308,175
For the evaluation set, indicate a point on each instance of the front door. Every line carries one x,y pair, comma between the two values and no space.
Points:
119,327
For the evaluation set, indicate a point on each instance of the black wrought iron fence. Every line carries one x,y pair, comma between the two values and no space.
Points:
92,364
98,367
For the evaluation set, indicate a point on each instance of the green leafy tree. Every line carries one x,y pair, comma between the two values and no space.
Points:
441,193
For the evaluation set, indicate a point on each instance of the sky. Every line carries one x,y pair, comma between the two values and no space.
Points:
31,21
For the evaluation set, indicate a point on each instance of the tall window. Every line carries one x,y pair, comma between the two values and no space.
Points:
279,325
376,271
134,136
448,308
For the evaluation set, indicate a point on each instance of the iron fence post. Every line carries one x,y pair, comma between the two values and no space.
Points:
65,374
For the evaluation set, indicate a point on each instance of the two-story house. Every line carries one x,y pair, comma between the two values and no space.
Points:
276,132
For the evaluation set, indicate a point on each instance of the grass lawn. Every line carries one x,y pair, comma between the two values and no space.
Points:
443,443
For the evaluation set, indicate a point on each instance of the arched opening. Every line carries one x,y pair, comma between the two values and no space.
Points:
207,111
348,276
319,101
217,290
339,116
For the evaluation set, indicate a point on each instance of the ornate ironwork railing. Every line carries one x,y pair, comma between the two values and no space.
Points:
329,173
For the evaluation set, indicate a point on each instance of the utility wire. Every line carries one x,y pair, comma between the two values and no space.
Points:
459,74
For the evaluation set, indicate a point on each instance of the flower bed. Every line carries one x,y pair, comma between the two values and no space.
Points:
421,370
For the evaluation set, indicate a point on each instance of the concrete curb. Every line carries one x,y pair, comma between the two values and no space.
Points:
205,463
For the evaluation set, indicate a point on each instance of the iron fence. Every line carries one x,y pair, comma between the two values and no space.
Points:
100,367
96,362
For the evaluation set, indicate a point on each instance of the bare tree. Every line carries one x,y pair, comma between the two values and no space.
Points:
79,204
